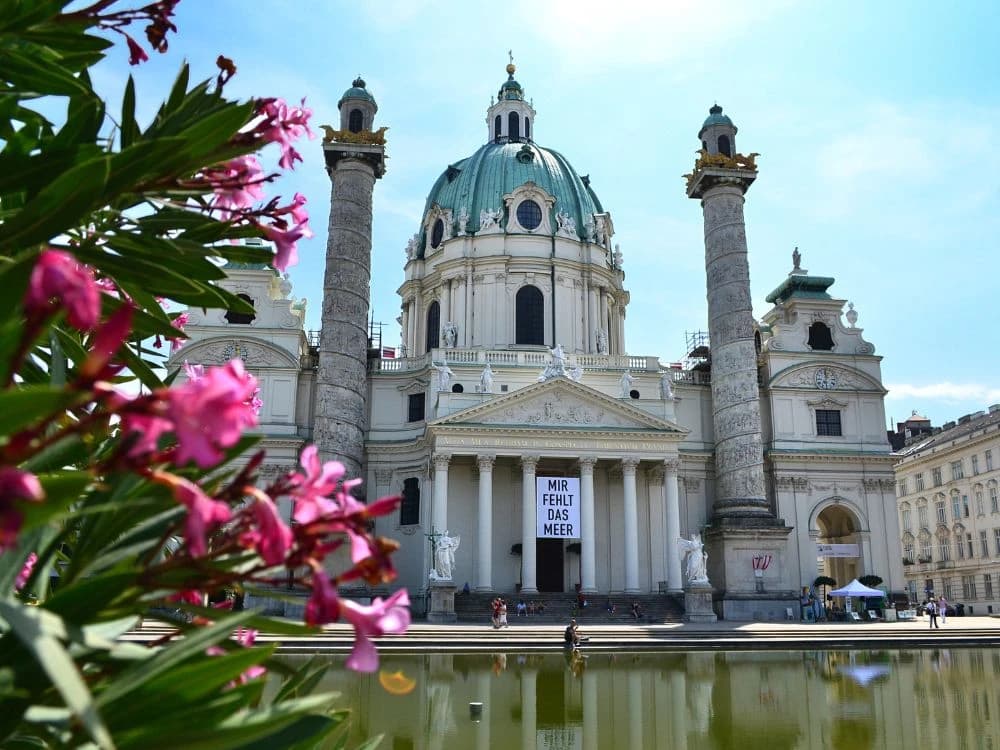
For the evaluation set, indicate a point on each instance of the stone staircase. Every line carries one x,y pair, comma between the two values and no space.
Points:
561,607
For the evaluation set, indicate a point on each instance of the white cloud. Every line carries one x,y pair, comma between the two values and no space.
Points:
946,391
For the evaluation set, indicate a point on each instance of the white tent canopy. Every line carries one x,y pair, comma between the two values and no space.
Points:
856,588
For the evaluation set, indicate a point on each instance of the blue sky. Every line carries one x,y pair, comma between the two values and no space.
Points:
877,125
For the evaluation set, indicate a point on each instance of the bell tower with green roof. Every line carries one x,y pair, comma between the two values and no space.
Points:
511,119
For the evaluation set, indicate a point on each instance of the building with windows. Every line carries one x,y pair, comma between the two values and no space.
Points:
515,377
948,489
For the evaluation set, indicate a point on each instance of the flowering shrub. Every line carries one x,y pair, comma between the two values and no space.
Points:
117,501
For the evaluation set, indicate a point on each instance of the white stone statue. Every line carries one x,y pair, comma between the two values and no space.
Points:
557,368
444,557
588,229
626,384
411,247
666,385
463,219
575,374
489,220
444,375
566,224
618,258
602,342
697,559
450,335
486,380
601,229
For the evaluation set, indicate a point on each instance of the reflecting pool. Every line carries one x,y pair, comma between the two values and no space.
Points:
938,699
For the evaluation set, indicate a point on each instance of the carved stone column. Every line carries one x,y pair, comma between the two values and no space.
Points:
439,514
631,519
529,583
739,458
671,498
588,554
404,328
484,559
445,306
341,377
529,708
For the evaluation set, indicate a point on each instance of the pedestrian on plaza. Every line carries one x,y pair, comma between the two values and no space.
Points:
932,612
503,613
943,609
495,605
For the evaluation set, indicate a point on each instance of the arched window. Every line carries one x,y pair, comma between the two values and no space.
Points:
458,388
757,344
527,128
724,147
529,214
497,125
820,338
355,121
513,126
437,233
239,318
409,508
433,326
529,316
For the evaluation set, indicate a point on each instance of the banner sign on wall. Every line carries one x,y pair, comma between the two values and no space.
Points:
837,550
557,504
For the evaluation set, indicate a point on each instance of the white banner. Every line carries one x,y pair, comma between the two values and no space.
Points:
557,505
837,550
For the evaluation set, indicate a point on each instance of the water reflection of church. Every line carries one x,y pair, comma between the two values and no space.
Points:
773,443
754,700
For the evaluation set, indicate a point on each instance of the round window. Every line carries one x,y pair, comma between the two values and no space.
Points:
529,215
437,233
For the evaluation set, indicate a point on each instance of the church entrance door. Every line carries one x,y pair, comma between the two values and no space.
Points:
549,570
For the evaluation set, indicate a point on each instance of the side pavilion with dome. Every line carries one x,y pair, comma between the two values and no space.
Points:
515,374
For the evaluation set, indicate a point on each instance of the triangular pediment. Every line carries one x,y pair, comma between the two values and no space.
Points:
559,403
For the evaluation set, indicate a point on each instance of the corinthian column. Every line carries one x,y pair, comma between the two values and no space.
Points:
672,506
588,555
484,567
631,519
439,514
528,577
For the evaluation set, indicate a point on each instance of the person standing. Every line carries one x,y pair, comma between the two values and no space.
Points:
495,604
932,612
943,609
503,613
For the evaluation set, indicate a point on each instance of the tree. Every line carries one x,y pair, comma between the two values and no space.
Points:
112,502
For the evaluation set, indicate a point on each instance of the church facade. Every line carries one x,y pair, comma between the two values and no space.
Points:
517,421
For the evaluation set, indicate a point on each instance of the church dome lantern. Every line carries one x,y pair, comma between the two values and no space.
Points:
718,134
511,119
357,108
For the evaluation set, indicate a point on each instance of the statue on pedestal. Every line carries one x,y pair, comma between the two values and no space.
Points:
463,219
486,380
626,384
602,342
697,560
450,335
666,385
444,557
444,376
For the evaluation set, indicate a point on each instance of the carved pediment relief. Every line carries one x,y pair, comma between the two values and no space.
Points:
218,351
560,403
825,377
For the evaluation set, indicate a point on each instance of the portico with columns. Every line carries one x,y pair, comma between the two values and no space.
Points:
628,466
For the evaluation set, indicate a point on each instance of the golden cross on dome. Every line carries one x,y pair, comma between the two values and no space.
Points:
510,54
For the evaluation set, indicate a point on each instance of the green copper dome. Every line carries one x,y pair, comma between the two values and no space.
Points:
715,117
480,182
357,91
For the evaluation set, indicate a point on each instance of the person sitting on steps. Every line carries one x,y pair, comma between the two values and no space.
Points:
636,610
571,638
522,608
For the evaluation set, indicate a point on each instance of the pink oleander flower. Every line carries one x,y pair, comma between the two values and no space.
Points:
256,402
188,596
136,53
204,514
237,184
245,637
58,280
145,431
25,574
286,252
105,344
210,413
179,322
283,124
312,489
194,372
270,536
16,487
299,215
391,615
324,604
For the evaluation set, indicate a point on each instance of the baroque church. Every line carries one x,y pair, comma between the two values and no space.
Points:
517,425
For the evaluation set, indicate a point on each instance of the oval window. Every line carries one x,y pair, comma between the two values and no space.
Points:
529,215
437,233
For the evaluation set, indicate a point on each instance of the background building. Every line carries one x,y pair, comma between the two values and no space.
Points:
515,368
948,490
